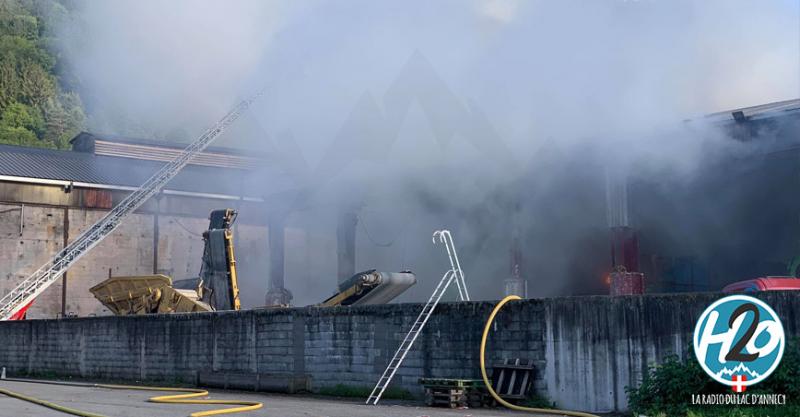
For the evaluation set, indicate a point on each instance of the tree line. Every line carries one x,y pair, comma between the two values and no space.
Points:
37,106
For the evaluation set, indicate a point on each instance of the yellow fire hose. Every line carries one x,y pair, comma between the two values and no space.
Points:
191,393
185,398
489,385
48,404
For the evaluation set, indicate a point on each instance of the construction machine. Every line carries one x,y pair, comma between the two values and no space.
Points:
371,287
215,289
16,302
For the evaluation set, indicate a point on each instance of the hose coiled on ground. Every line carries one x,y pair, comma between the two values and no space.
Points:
185,398
486,381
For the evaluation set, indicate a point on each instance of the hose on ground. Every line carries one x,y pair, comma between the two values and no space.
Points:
48,404
486,381
188,397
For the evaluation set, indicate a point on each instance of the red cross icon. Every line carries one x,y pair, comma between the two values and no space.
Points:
739,379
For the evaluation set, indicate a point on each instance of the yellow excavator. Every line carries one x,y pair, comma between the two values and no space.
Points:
216,288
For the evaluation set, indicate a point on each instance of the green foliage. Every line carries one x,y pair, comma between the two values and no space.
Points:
34,108
666,389
21,116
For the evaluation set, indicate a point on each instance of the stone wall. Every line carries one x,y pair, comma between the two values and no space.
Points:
586,349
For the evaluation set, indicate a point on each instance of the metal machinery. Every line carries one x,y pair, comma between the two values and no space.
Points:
218,285
215,289
14,304
371,287
149,294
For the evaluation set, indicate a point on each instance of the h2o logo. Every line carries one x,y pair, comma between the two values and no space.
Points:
739,341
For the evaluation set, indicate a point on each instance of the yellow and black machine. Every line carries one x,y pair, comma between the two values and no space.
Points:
371,287
215,289
218,285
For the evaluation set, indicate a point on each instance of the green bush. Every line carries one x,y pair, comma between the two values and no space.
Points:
667,389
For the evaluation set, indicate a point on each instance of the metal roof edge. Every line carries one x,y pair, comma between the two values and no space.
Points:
65,183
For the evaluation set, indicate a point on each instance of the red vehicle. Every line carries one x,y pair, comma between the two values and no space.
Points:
764,284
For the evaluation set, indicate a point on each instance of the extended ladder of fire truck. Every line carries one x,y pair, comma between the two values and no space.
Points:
19,298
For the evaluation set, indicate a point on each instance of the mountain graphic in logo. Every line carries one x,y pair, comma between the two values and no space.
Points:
739,341
741,367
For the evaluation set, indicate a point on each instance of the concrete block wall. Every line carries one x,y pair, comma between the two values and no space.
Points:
586,349
596,346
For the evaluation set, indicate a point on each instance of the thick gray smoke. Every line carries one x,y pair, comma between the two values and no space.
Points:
482,117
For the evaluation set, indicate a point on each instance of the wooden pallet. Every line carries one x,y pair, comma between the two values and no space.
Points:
512,378
454,393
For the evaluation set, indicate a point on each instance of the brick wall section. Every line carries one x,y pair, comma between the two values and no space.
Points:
587,349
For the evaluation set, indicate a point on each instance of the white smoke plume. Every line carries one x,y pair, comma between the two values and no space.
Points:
479,116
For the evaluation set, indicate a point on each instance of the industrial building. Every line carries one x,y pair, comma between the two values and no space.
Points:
48,196
735,216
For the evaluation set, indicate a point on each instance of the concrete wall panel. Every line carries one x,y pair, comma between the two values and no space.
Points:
586,349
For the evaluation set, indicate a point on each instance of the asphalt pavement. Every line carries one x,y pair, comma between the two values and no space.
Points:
130,403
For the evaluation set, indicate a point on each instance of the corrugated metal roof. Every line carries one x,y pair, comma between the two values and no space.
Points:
83,136
165,151
53,164
756,112
166,154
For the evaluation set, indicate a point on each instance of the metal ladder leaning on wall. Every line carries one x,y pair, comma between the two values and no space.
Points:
455,273
24,293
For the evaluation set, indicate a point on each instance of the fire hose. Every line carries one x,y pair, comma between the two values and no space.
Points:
188,397
505,403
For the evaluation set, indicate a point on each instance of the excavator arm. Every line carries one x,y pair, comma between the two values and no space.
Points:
219,286
216,288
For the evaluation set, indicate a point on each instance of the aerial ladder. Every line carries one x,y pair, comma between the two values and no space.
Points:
14,304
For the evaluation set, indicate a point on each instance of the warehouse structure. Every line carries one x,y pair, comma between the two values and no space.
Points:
49,196
736,216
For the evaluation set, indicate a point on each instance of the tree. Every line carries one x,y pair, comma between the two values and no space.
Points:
34,108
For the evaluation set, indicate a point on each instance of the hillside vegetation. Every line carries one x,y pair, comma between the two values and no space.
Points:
36,107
